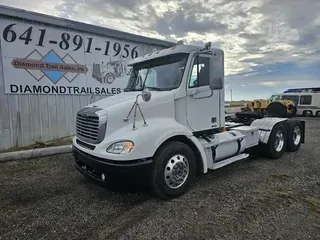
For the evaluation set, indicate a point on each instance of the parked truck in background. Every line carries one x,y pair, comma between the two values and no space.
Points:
169,125
307,102
292,102
270,107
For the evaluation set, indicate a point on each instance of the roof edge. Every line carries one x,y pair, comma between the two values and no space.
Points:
80,26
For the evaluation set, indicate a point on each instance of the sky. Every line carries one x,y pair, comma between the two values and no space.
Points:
269,45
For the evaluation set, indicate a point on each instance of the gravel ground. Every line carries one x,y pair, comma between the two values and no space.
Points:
255,199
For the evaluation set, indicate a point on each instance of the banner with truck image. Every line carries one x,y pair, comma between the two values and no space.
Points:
45,60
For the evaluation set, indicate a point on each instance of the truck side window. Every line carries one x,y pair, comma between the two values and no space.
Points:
200,72
305,100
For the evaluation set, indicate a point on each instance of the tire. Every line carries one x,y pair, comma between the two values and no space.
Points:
307,114
169,155
292,111
277,109
109,78
318,114
295,131
273,151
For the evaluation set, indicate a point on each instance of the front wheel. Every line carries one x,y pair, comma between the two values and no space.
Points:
109,78
174,170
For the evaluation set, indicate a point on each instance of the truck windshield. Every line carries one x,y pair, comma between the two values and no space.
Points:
161,74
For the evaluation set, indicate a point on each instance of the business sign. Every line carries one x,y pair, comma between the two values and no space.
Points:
45,60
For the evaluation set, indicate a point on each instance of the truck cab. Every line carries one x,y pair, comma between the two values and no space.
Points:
169,124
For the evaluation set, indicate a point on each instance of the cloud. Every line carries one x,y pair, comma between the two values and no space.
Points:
180,24
279,83
256,35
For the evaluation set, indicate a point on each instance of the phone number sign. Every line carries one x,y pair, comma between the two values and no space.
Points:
45,60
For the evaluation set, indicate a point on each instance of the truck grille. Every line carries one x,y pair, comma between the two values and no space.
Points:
89,127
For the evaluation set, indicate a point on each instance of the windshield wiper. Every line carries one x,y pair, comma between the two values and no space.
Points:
154,88
131,90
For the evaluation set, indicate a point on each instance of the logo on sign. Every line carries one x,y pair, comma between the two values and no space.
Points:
108,72
51,65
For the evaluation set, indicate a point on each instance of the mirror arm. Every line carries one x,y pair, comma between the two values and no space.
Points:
146,96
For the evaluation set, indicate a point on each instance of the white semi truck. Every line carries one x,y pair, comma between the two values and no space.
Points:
169,125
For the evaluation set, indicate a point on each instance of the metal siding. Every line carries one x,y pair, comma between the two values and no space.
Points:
44,118
26,119
13,106
69,113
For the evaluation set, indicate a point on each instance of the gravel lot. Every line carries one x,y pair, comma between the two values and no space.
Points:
255,199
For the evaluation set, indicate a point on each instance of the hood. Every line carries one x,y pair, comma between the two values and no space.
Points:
114,100
125,98
118,107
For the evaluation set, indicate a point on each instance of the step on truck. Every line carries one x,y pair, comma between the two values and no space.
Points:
169,125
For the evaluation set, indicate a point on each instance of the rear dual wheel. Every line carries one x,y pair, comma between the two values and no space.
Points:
284,137
295,132
277,142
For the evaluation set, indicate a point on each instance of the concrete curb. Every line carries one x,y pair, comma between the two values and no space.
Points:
34,153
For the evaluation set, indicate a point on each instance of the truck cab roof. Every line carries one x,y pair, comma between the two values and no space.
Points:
169,51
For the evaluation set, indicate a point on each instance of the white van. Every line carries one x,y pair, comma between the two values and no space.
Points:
308,104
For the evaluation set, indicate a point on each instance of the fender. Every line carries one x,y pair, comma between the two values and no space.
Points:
202,153
265,126
183,131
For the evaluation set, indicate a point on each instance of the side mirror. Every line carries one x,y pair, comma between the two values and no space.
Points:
146,94
216,72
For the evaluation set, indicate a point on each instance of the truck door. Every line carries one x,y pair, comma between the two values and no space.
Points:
203,105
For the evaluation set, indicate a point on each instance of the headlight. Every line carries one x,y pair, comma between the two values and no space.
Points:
124,147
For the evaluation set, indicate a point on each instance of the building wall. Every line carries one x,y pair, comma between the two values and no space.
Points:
29,112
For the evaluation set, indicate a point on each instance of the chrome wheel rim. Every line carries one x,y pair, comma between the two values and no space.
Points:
176,171
279,143
296,135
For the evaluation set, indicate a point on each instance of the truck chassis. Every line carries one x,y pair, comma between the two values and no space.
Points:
240,139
